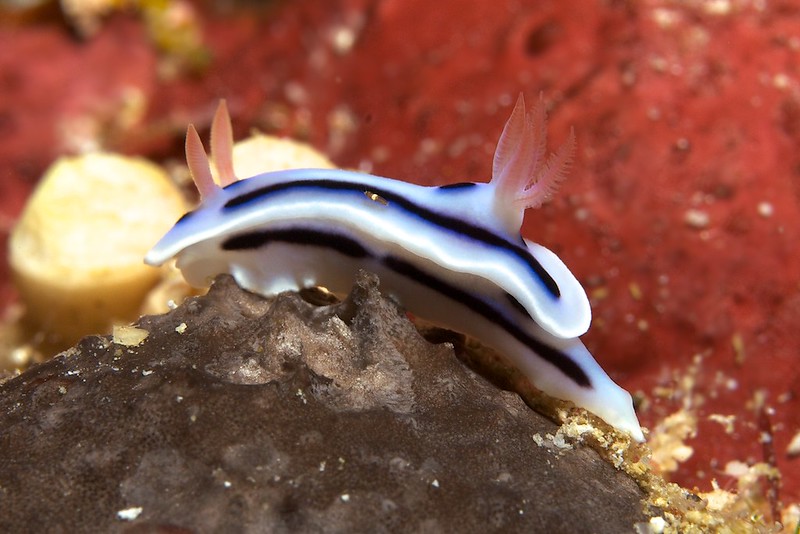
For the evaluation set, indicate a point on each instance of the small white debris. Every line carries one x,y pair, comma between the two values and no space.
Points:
665,18
765,209
736,469
683,144
295,93
345,497
129,336
718,7
657,524
62,390
435,483
129,514
560,441
181,328
794,446
727,421
696,218
343,39
147,372
505,476
227,484
718,499
781,80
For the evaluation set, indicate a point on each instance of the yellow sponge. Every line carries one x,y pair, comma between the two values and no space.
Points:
76,252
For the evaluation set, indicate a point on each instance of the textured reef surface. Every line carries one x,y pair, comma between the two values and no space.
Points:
239,415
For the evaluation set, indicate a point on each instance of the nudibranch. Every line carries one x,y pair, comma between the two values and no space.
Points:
452,255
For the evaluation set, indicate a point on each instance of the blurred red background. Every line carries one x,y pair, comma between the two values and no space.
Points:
680,215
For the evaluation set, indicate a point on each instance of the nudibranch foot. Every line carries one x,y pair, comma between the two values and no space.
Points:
452,255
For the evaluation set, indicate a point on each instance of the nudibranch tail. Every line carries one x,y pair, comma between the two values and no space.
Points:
222,144
522,176
197,160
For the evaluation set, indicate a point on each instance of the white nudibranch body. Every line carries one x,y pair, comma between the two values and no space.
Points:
452,254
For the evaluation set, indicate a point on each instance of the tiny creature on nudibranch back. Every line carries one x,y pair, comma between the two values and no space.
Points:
451,254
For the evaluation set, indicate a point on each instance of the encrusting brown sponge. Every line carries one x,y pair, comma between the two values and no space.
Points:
244,414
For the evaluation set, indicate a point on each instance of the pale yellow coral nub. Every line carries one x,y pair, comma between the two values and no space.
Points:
76,251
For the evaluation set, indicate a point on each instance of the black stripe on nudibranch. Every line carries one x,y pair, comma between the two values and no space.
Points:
352,248
516,304
299,236
460,185
445,221
561,361
184,217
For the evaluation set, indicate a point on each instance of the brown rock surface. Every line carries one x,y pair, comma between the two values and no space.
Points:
241,414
